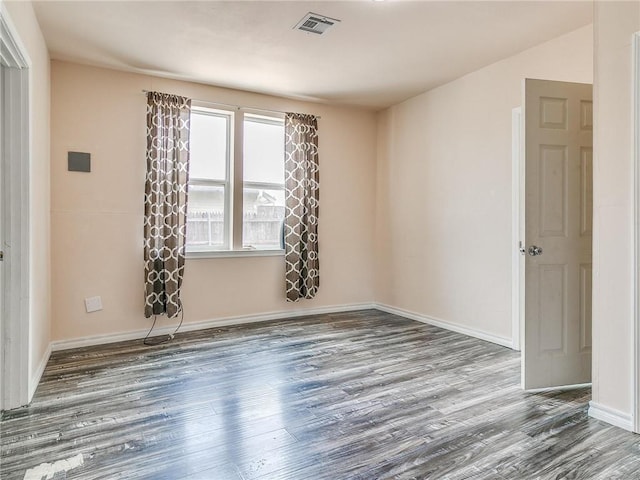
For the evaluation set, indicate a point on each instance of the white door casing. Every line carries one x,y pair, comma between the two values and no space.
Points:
14,216
635,371
558,218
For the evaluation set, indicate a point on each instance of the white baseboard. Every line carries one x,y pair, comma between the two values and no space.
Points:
472,332
611,416
34,380
213,323
266,317
279,315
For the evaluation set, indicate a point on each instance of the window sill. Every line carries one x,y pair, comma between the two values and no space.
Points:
234,254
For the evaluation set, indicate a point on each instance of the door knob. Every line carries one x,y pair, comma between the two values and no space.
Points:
535,251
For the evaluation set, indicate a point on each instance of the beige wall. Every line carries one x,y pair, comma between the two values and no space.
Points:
442,199
443,223
24,20
97,216
615,23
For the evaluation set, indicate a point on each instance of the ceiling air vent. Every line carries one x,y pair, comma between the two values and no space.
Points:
314,23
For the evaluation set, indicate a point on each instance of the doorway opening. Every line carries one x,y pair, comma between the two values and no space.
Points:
14,218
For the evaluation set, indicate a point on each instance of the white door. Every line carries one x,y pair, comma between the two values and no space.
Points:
558,219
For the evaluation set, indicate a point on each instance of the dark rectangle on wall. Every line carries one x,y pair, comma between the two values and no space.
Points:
79,162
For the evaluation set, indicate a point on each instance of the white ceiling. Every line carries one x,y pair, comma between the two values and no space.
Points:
380,54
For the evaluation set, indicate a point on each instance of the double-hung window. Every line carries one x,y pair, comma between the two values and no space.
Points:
263,186
236,181
210,169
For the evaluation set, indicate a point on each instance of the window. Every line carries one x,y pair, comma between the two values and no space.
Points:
263,188
208,216
236,195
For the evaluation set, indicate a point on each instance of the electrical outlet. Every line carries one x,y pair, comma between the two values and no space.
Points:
93,304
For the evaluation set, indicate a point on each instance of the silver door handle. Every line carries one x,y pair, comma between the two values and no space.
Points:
535,251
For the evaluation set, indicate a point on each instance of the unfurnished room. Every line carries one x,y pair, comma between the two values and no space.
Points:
323,240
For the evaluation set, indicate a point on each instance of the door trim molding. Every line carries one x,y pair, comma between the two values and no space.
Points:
635,381
13,52
15,216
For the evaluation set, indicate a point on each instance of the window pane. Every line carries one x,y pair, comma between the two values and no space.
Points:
263,151
205,217
262,218
208,146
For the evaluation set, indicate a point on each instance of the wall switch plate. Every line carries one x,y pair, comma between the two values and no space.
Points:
93,304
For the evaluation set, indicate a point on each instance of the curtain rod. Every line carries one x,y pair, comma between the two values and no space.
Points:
237,107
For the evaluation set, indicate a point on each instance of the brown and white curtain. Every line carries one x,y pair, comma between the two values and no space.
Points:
302,194
165,201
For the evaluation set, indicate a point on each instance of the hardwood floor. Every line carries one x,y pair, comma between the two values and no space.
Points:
361,395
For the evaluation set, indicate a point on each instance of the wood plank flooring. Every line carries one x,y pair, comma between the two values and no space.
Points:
361,395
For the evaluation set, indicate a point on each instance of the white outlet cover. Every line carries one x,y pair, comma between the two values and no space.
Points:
93,304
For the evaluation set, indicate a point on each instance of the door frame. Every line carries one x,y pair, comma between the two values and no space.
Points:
517,228
15,216
635,381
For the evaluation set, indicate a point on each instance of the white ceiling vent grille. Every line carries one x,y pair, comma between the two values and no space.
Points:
314,23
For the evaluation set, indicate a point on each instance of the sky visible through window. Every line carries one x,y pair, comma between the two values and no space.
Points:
208,147
263,152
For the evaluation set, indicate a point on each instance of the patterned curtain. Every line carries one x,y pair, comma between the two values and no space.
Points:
302,194
165,201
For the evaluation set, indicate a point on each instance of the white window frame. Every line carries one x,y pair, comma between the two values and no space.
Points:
234,185
229,116
269,120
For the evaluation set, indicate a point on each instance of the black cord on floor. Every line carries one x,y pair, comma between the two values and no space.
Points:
159,340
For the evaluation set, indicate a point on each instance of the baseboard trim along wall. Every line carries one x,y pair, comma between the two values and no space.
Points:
202,325
34,380
611,416
472,332
239,320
